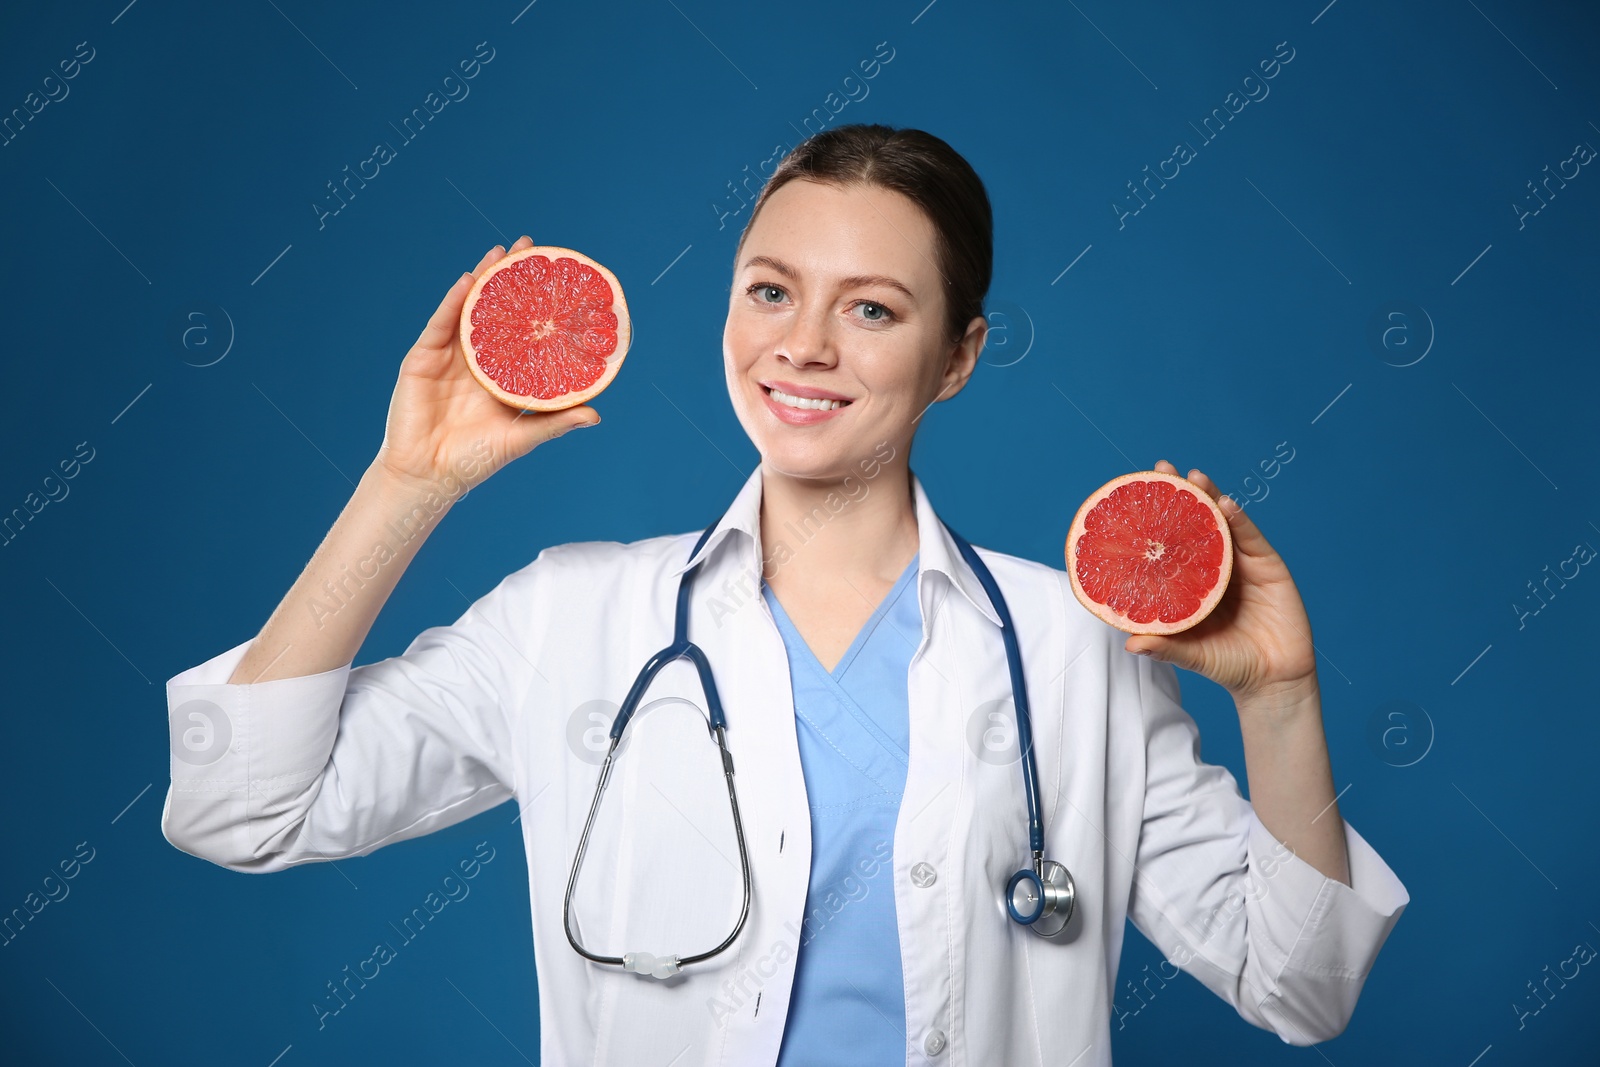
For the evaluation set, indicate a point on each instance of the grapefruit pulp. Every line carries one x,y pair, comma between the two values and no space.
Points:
1150,553
545,328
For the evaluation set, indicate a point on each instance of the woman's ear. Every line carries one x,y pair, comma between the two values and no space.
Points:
963,358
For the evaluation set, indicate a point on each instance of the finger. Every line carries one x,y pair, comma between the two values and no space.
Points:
1178,653
1247,537
1198,478
446,321
580,416
522,242
490,257
529,433
445,324
1203,483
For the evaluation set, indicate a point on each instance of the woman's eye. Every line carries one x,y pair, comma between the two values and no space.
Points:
761,290
875,312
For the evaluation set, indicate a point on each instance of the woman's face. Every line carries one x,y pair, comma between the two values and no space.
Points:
837,292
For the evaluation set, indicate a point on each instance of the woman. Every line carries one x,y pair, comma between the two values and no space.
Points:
863,673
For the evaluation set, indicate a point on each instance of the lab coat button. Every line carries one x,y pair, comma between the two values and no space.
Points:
922,876
934,1043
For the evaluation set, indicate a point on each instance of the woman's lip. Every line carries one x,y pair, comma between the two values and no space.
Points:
804,392
799,416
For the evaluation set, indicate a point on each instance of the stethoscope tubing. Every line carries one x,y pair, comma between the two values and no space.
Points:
1019,696
681,646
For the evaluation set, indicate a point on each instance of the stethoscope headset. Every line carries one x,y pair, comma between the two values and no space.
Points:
1041,896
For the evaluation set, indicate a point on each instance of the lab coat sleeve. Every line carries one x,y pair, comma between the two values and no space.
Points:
295,770
1286,946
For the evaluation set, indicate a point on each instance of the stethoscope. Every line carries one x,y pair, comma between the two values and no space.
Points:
1041,896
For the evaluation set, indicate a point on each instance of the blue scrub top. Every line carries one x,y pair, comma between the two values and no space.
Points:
848,1004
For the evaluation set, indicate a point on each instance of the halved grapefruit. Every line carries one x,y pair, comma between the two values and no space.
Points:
545,328
1150,553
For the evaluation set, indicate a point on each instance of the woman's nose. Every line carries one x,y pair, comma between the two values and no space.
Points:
807,340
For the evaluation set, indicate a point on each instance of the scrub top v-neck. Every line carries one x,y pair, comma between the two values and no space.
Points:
853,724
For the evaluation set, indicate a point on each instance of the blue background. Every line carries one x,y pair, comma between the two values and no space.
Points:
1233,313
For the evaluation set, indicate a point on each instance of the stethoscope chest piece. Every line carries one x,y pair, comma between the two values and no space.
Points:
1042,900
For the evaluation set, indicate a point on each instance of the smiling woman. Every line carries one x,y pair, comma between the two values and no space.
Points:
841,687
856,304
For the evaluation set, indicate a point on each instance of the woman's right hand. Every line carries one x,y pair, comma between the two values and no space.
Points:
442,424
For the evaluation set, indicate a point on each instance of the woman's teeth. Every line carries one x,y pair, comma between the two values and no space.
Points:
803,402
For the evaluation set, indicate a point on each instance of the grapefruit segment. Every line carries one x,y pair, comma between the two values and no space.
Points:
545,328
1150,553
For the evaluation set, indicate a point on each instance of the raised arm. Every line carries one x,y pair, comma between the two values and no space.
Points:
444,434
282,751
1275,904
1257,646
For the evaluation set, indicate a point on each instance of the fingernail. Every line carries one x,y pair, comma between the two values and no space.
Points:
585,425
1141,652
572,426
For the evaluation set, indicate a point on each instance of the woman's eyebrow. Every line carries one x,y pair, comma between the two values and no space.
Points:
851,282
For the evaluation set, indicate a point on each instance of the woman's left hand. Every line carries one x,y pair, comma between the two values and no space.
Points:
1257,640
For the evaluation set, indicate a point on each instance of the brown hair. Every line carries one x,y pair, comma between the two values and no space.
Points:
927,171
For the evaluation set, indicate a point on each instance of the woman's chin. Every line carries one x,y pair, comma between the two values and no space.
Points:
809,460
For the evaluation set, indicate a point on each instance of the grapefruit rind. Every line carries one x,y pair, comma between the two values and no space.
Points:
1115,617
619,307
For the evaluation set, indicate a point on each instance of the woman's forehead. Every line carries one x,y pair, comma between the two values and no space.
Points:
831,234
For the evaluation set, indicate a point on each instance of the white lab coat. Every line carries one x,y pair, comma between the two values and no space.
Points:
512,700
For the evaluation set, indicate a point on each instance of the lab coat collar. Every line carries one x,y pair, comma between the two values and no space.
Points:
936,550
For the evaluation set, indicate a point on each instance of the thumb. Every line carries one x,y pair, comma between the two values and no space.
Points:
580,416
1164,649
525,433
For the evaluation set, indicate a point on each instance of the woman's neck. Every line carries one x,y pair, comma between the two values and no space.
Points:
822,533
